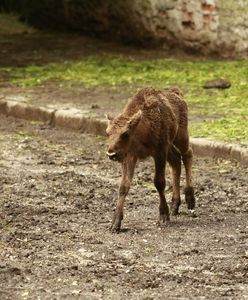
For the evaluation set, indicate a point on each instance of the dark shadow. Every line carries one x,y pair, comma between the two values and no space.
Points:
41,48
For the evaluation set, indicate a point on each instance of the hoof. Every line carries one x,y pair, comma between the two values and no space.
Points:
175,211
174,207
115,229
163,220
115,226
116,221
189,197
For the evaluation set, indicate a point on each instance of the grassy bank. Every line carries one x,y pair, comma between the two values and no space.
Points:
220,114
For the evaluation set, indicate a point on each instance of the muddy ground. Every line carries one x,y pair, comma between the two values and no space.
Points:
58,193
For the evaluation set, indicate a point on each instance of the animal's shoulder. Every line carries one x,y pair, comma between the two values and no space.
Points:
140,100
149,99
175,96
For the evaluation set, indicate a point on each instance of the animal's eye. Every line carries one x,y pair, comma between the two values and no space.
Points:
125,135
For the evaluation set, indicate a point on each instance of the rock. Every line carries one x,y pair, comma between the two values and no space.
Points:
217,84
95,106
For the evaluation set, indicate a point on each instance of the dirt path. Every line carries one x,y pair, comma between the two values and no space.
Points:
57,196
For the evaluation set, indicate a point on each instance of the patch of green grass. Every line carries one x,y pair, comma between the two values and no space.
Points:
228,128
219,114
146,185
23,135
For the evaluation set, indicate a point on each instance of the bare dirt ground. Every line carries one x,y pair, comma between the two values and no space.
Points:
58,193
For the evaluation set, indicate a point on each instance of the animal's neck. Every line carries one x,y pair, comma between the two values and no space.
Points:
143,142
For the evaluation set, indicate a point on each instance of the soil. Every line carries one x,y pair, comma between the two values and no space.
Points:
58,194
93,102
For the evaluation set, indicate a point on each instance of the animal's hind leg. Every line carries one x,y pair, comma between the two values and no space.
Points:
182,143
159,182
174,159
189,190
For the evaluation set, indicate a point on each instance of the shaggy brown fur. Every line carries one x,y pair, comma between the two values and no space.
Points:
153,123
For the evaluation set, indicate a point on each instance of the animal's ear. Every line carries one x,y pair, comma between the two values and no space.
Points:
134,121
109,118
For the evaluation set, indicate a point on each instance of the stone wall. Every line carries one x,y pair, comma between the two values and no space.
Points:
188,23
207,26
233,27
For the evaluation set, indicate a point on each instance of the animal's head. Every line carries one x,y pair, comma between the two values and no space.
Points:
121,133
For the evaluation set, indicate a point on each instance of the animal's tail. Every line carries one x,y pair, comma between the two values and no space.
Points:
173,154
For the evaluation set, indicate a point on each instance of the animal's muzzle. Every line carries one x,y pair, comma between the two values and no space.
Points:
112,155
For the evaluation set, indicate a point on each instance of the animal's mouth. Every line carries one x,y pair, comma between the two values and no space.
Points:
114,156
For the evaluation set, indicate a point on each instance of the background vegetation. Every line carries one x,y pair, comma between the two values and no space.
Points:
219,114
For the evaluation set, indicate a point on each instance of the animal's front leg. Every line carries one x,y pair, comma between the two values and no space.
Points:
159,182
128,167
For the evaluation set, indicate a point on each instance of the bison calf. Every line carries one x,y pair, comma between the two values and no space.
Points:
153,123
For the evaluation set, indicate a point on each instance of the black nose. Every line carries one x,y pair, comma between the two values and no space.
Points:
112,155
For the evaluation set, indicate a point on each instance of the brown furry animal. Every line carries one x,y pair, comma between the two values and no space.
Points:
153,123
